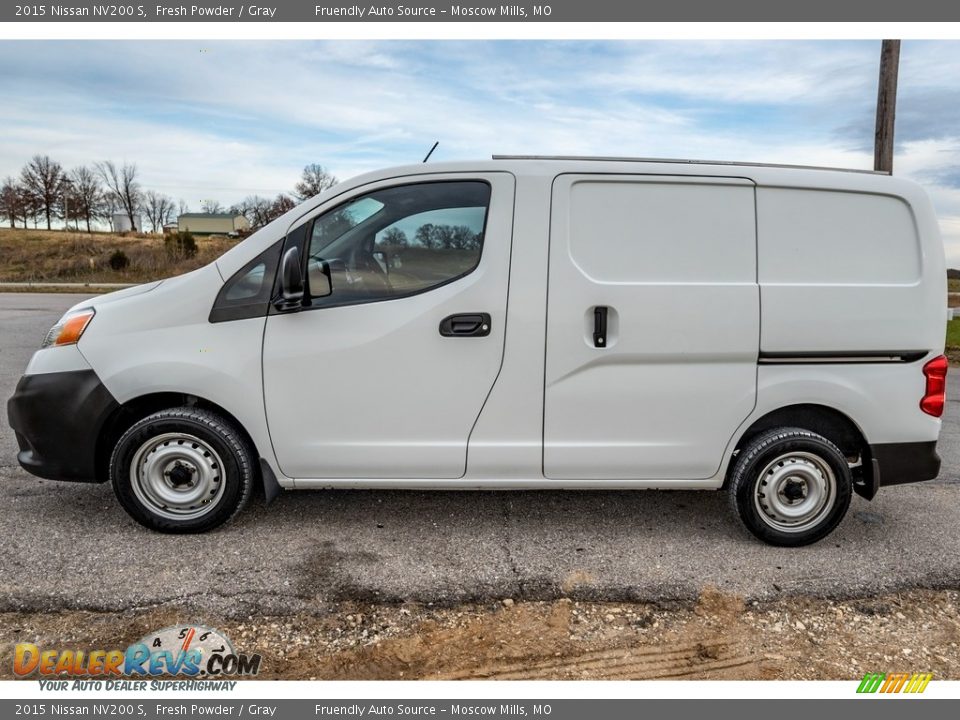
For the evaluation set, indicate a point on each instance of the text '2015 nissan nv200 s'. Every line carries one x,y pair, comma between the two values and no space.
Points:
521,323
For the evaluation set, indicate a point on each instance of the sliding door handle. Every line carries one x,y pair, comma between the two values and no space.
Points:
600,326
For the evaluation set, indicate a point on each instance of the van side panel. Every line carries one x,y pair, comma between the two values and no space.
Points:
844,271
674,261
507,440
882,399
162,341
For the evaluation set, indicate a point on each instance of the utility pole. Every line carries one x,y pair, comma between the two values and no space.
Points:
886,106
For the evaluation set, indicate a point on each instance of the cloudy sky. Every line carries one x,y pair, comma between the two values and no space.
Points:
221,120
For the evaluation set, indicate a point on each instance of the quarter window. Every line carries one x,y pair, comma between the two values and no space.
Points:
247,294
396,242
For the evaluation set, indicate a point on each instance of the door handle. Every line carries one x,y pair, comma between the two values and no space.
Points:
600,326
466,325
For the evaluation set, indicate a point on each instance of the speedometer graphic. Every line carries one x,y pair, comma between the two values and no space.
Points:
178,639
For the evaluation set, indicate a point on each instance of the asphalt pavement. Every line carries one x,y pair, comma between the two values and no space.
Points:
71,545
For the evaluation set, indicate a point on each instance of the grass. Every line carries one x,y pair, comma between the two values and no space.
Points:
953,334
953,341
58,256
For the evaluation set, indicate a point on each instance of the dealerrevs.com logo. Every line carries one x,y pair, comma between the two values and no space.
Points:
910,683
192,651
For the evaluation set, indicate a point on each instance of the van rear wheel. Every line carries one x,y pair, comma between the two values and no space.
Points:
790,486
182,470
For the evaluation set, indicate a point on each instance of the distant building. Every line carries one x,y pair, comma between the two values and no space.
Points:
212,223
120,223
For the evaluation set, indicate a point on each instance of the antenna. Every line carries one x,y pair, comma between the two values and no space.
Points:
431,151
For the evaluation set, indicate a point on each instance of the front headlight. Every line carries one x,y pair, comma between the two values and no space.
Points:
69,328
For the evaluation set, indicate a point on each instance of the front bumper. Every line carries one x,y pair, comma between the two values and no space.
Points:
57,418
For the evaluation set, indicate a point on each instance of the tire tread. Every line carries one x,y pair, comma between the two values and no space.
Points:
740,477
241,454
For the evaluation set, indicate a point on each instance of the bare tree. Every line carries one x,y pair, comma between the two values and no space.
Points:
28,207
256,209
314,180
123,189
182,207
259,210
426,236
243,208
279,206
42,179
212,207
11,202
394,237
86,199
159,209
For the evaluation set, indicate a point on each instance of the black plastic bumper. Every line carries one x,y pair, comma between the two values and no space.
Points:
898,463
57,418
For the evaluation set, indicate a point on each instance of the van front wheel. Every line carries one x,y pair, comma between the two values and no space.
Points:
182,470
790,486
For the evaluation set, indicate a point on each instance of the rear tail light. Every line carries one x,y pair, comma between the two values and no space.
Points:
934,397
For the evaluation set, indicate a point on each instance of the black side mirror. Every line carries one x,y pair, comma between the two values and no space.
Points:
291,281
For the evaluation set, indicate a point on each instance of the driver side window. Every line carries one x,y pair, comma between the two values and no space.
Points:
397,242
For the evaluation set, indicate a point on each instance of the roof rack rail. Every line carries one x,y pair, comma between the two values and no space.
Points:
679,161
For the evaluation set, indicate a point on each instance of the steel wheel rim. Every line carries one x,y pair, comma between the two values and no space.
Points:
177,476
795,491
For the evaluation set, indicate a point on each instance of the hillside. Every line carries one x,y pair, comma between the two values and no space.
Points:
59,256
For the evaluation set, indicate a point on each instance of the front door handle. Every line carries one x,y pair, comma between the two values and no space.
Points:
466,325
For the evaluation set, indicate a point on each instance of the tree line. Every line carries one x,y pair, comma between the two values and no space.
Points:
431,236
44,191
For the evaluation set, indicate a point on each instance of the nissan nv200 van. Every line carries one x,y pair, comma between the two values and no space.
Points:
774,332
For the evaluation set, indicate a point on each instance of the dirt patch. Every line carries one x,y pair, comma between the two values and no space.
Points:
719,637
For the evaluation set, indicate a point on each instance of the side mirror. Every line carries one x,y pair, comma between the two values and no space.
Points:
291,281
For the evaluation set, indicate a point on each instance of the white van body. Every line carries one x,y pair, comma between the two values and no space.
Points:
730,294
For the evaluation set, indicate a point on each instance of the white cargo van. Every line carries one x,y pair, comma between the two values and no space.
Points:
522,323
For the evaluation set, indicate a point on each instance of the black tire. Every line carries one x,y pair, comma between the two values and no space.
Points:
195,470
795,462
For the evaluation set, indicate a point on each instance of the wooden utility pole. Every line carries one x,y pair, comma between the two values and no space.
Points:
886,106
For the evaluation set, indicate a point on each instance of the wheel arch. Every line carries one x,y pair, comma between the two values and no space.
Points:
835,425
135,409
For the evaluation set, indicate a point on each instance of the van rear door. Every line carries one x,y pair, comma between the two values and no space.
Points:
653,325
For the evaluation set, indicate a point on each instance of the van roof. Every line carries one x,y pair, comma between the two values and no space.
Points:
680,161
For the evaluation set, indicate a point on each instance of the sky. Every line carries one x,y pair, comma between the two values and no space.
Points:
220,120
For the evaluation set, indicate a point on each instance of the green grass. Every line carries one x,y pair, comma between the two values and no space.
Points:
953,334
953,341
